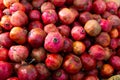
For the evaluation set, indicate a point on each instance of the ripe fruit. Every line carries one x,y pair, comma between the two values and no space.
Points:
3,54
34,15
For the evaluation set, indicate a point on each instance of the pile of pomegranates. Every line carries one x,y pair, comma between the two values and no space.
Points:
59,39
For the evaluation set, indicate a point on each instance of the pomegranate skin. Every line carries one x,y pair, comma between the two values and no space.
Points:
114,61
77,76
35,15
105,25
19,18
54,42
97,52
58,2
43,72
27,72
97,8
36,37
78,33
113,43
66,16
72,64
6,70
91,77
49,16
8,3
18,53
60,74
3,54
88,62
13,78
53,61
5,40
35,24
37,3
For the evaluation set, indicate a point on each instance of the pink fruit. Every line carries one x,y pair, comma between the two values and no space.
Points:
103,39
49,16
13,78
54,42
39,54
47,6
113,43
17,6
53,61
105,25
27,72
66,16
60,74
67,45
7,11
3,54
97,8
112,7
97,52
96,17
87,42
58,2
1,13
5,40
108,53
114,61
93,72
106,14
36,37
18,53
18,35
78,33
88,62
2,6
115,20
72,64
35,15
43,72
50,28
8,3
37,3
6,70
35,24
19,18
64,30
75,12
91,77
77,76
84,17
5,22
92,27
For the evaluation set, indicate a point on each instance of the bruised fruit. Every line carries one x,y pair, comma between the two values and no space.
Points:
27,72
18,35
97,52
6,70
36,37
92,27
53,61
72,64
54,42
18,53
78,47
60,74
43,72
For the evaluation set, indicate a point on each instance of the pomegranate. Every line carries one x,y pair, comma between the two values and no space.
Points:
39,54
36,37
91,77
8,3
34,15
60,74
47,6
78,33
18,53
113,43
97,52
3,54
27,72
114,33
13,78
58,2
54,42
19,18
43,72
5,68
77,76
49,16
72,64
7,11
53,61
78,47
66,16
37,3
18,34
92,27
